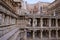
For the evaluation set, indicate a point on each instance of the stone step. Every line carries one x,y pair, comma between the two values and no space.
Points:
5,30
14,37
8,35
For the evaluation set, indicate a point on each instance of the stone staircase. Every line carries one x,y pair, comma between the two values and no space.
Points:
9,33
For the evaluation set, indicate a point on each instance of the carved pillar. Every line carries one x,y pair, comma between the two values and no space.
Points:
33,35
34,22
25,37
7,19
57,33
54,12
29,22
10,20
3,19
50,22
50,30
57,29
56,22
41,22
41,34
49,34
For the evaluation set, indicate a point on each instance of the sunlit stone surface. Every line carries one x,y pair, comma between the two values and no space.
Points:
22,21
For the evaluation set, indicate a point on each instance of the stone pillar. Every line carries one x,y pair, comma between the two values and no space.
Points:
13,20
39,8
54,13
3,19
57,33
49,34
29,22
25,37
56,22
41,22
41,34
49,27
16,21
41,27
34,22
50,22
7,19
10,20
33,35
